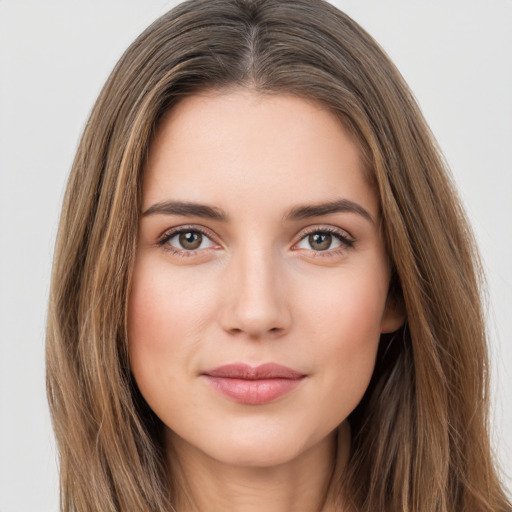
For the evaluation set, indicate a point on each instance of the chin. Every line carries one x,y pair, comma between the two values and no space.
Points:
260,456
255,447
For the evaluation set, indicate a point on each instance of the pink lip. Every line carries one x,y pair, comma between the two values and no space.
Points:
253,385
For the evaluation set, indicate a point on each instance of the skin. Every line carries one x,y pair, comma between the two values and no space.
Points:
258,289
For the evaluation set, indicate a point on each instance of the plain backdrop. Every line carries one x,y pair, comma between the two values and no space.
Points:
54,57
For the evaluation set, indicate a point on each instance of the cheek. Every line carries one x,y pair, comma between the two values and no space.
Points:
349,306
146,330
345,319
163,324
149,313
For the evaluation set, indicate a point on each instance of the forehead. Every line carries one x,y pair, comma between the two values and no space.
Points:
278,149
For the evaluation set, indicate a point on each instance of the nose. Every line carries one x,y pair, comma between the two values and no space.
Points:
255,297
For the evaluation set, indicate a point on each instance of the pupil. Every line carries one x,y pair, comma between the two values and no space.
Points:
190,240
320,241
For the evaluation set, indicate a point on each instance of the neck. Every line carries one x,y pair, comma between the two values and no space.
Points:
203,483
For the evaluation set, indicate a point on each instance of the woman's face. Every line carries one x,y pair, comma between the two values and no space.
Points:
260,281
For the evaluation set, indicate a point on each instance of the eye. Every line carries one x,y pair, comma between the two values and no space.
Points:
322,240
186,240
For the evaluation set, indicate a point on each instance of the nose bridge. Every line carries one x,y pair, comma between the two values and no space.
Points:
255,297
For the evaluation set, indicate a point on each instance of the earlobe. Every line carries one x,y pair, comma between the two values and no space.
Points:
394,316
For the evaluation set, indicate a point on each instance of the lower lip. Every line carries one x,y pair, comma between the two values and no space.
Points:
253,392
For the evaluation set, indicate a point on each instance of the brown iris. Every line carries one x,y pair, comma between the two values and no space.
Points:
190,240
320,241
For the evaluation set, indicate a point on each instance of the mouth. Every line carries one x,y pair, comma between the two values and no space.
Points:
253,385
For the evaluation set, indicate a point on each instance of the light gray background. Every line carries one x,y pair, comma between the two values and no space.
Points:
54,57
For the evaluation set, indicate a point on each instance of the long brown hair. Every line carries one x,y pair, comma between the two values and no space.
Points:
420,435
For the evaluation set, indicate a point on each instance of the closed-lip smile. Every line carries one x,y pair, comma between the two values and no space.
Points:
253,385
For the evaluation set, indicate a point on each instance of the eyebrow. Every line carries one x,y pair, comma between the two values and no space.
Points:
338,206
186,209
190,209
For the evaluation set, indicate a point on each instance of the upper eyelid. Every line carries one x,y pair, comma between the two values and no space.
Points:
343,233
170,232
335,230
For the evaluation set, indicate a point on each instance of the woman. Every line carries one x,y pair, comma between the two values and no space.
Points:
265,294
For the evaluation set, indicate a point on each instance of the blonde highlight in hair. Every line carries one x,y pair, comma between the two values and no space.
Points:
420,435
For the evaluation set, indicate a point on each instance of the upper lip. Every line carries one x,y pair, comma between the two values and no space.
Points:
247,372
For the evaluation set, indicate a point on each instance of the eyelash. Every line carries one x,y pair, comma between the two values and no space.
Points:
346,241
162,242
341,236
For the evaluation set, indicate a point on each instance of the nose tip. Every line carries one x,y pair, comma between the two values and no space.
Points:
255,302
254,324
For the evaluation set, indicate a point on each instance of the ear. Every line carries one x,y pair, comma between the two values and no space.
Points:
394,315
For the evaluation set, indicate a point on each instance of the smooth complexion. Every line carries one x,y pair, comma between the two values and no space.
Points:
259,244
